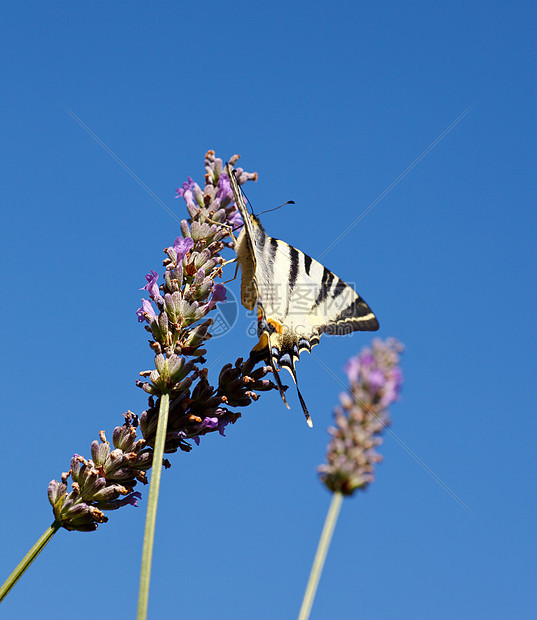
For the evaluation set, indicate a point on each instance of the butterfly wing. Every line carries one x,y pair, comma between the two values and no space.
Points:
297,298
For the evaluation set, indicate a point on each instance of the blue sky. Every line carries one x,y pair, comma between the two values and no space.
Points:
330,103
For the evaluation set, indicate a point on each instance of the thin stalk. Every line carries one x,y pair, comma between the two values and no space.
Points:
152,502
28,559
320,556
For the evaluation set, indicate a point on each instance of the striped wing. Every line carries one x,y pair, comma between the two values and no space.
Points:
297,298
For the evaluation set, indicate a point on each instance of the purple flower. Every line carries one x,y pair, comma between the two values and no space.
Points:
131,499
146,312
376,378
235,220
225,193
222,420
192,194
152,287
219,293
182,246
209,423
225,197
187,186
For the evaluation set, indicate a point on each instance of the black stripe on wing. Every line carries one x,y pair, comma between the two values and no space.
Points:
273,248
307,263
294,256
338,288
357,316
326,284
294,267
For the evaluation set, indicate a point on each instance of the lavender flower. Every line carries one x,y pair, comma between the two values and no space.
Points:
175,314
99,483
376,378
188,294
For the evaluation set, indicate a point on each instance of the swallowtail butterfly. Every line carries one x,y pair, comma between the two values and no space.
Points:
297,298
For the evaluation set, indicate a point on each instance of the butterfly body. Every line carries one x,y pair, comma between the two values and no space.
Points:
298,299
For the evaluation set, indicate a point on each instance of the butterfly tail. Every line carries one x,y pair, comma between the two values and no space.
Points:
288,362
304,409
279,385
283,362
269,349
267,355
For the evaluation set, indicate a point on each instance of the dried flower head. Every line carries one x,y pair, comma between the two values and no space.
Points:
375,383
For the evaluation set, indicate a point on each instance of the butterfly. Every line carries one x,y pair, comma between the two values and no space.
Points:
297,298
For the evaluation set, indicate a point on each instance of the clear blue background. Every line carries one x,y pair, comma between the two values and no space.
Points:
329,102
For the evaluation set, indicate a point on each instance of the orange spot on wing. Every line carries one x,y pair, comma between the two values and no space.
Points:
276,324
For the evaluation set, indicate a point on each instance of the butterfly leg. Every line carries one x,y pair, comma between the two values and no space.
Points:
228,262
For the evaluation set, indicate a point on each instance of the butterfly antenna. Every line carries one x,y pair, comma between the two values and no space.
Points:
289,202
241,190
233,172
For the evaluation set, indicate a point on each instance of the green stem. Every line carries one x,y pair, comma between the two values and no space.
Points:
151,516
320,556
28,559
